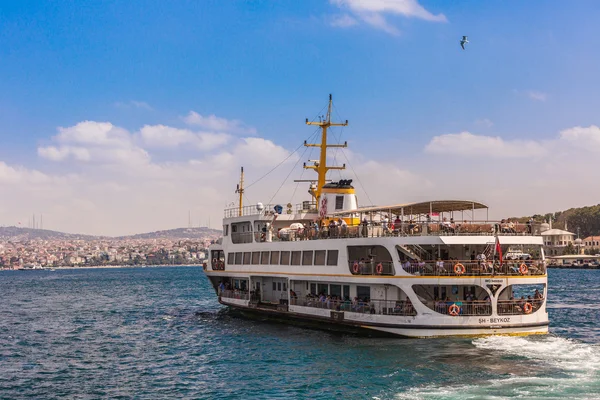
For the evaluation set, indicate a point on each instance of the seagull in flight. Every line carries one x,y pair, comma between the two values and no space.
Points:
463,42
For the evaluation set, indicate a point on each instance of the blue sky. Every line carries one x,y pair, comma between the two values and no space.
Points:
400,77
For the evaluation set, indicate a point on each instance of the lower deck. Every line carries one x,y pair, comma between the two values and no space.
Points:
407,309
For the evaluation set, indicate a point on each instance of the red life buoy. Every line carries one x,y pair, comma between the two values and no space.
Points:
355,267
454,310
523,269
527,308
379,269
459,269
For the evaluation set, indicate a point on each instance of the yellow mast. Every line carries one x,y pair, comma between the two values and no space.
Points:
321,166
240,190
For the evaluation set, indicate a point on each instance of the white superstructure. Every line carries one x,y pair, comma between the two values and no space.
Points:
419,270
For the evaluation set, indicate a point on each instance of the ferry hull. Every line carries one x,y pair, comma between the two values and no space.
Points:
382,330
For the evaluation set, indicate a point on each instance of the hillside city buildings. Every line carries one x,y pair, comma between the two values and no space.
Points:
22,253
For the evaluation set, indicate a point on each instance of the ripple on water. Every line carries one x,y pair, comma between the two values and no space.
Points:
159,332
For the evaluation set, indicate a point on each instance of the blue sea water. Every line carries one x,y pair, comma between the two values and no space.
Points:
160,333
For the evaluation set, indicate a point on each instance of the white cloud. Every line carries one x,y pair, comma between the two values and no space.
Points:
372,12
54,153
342,21
466,143
535,95
214,123
94,133
584,138
133,104
91,141
107,182
166,136
484,122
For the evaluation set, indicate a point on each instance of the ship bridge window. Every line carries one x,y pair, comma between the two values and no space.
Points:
274,257
230,258
241,232
339,202
238,258
332,257
256,257
296,257
247,257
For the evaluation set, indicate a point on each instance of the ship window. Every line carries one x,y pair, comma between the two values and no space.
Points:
363,292
307,257
335,290
346,292
279,286
285,258
230,258
332,257
339,202
233,228
313,289
264,257
323,288
225,230
274,257
255,257
319,257
238,258
274,286
296,257
284,287
247,257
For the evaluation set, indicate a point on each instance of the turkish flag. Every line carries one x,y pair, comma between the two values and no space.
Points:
499,250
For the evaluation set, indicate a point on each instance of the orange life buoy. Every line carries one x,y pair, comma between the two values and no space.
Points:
454,310
527,308
523,269
379,269
355,267
459,269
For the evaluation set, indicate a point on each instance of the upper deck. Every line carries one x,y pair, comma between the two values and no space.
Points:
447,218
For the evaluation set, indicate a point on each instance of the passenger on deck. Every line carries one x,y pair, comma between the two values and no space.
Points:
447,226
407,266
511,227
440,266
364,228
343,227
412,227
397,224
362,266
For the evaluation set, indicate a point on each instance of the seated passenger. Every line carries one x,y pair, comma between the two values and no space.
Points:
447,226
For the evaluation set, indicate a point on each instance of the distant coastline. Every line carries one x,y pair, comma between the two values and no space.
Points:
104,266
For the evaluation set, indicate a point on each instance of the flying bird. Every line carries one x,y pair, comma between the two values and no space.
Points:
463,42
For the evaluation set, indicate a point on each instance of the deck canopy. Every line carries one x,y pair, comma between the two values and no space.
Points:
428,207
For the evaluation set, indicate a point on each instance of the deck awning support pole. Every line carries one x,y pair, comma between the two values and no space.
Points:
473,213
402,220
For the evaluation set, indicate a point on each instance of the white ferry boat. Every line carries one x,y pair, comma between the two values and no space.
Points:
424,269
